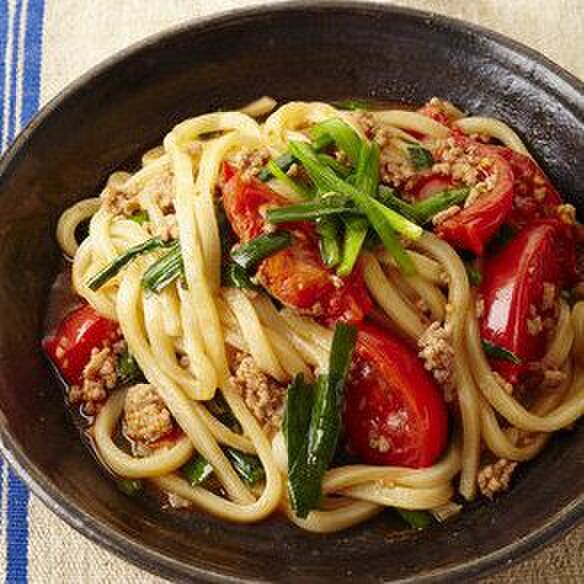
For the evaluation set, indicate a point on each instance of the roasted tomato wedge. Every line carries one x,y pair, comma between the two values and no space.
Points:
520,284
82,330
427,184
472,227
394,413
296,276
534,196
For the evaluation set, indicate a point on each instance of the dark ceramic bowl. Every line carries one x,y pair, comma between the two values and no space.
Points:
125,106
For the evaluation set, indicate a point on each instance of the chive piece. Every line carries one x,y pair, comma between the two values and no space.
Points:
306,472
127,369
297,416
280,175
352,104
427,208
498,352
234,276
474,274
226,235
341,169
248,467
416,519
345,138
140,217
286,160
311,210
388,197
197,470
355,234
420,157
114,267
248,255
330,249
130,487
164,271
382,219
366,180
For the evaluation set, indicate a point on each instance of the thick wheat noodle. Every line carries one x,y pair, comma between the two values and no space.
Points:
507,406
388,297
459,300
160,462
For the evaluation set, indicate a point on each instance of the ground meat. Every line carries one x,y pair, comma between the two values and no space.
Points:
438,355
263,395
251,162
146,417
99,377
553,378
480,307
494,478
549,296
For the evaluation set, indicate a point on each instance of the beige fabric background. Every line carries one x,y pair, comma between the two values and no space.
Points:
80,33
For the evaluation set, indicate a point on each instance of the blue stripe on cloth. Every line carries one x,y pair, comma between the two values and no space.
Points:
13,89
32,63
29,94
17,531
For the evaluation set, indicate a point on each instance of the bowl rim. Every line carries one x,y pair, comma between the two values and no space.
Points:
147,558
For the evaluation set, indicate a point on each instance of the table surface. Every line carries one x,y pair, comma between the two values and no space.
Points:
77,34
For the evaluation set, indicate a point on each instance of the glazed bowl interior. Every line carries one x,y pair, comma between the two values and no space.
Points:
126,106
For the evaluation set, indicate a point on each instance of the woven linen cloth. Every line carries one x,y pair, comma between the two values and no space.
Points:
44,45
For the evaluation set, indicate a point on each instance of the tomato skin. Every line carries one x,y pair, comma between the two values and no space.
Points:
394,413
296,276
513,281
534,196
82,330
472,227
429,184
243,202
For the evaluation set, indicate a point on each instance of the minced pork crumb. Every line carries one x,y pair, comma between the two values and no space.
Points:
263,395
494,478
146,417
438,355
99,376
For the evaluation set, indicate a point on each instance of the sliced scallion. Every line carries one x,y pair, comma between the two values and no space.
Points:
248,255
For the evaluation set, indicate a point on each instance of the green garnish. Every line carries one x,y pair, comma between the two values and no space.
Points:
307,463
234,276
221,410
140,217
342,170
327,205
416,519
426,209
330,248
286,160
248,466
475,276
197,470
381,218
389,198
164,270
248,255
280,175
127,369
130,487
498,352
420,157
112,269
345,138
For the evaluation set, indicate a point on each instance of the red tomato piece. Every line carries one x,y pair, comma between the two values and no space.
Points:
428,184
472,227
296,276
394,413
534,196
513,291
82,330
